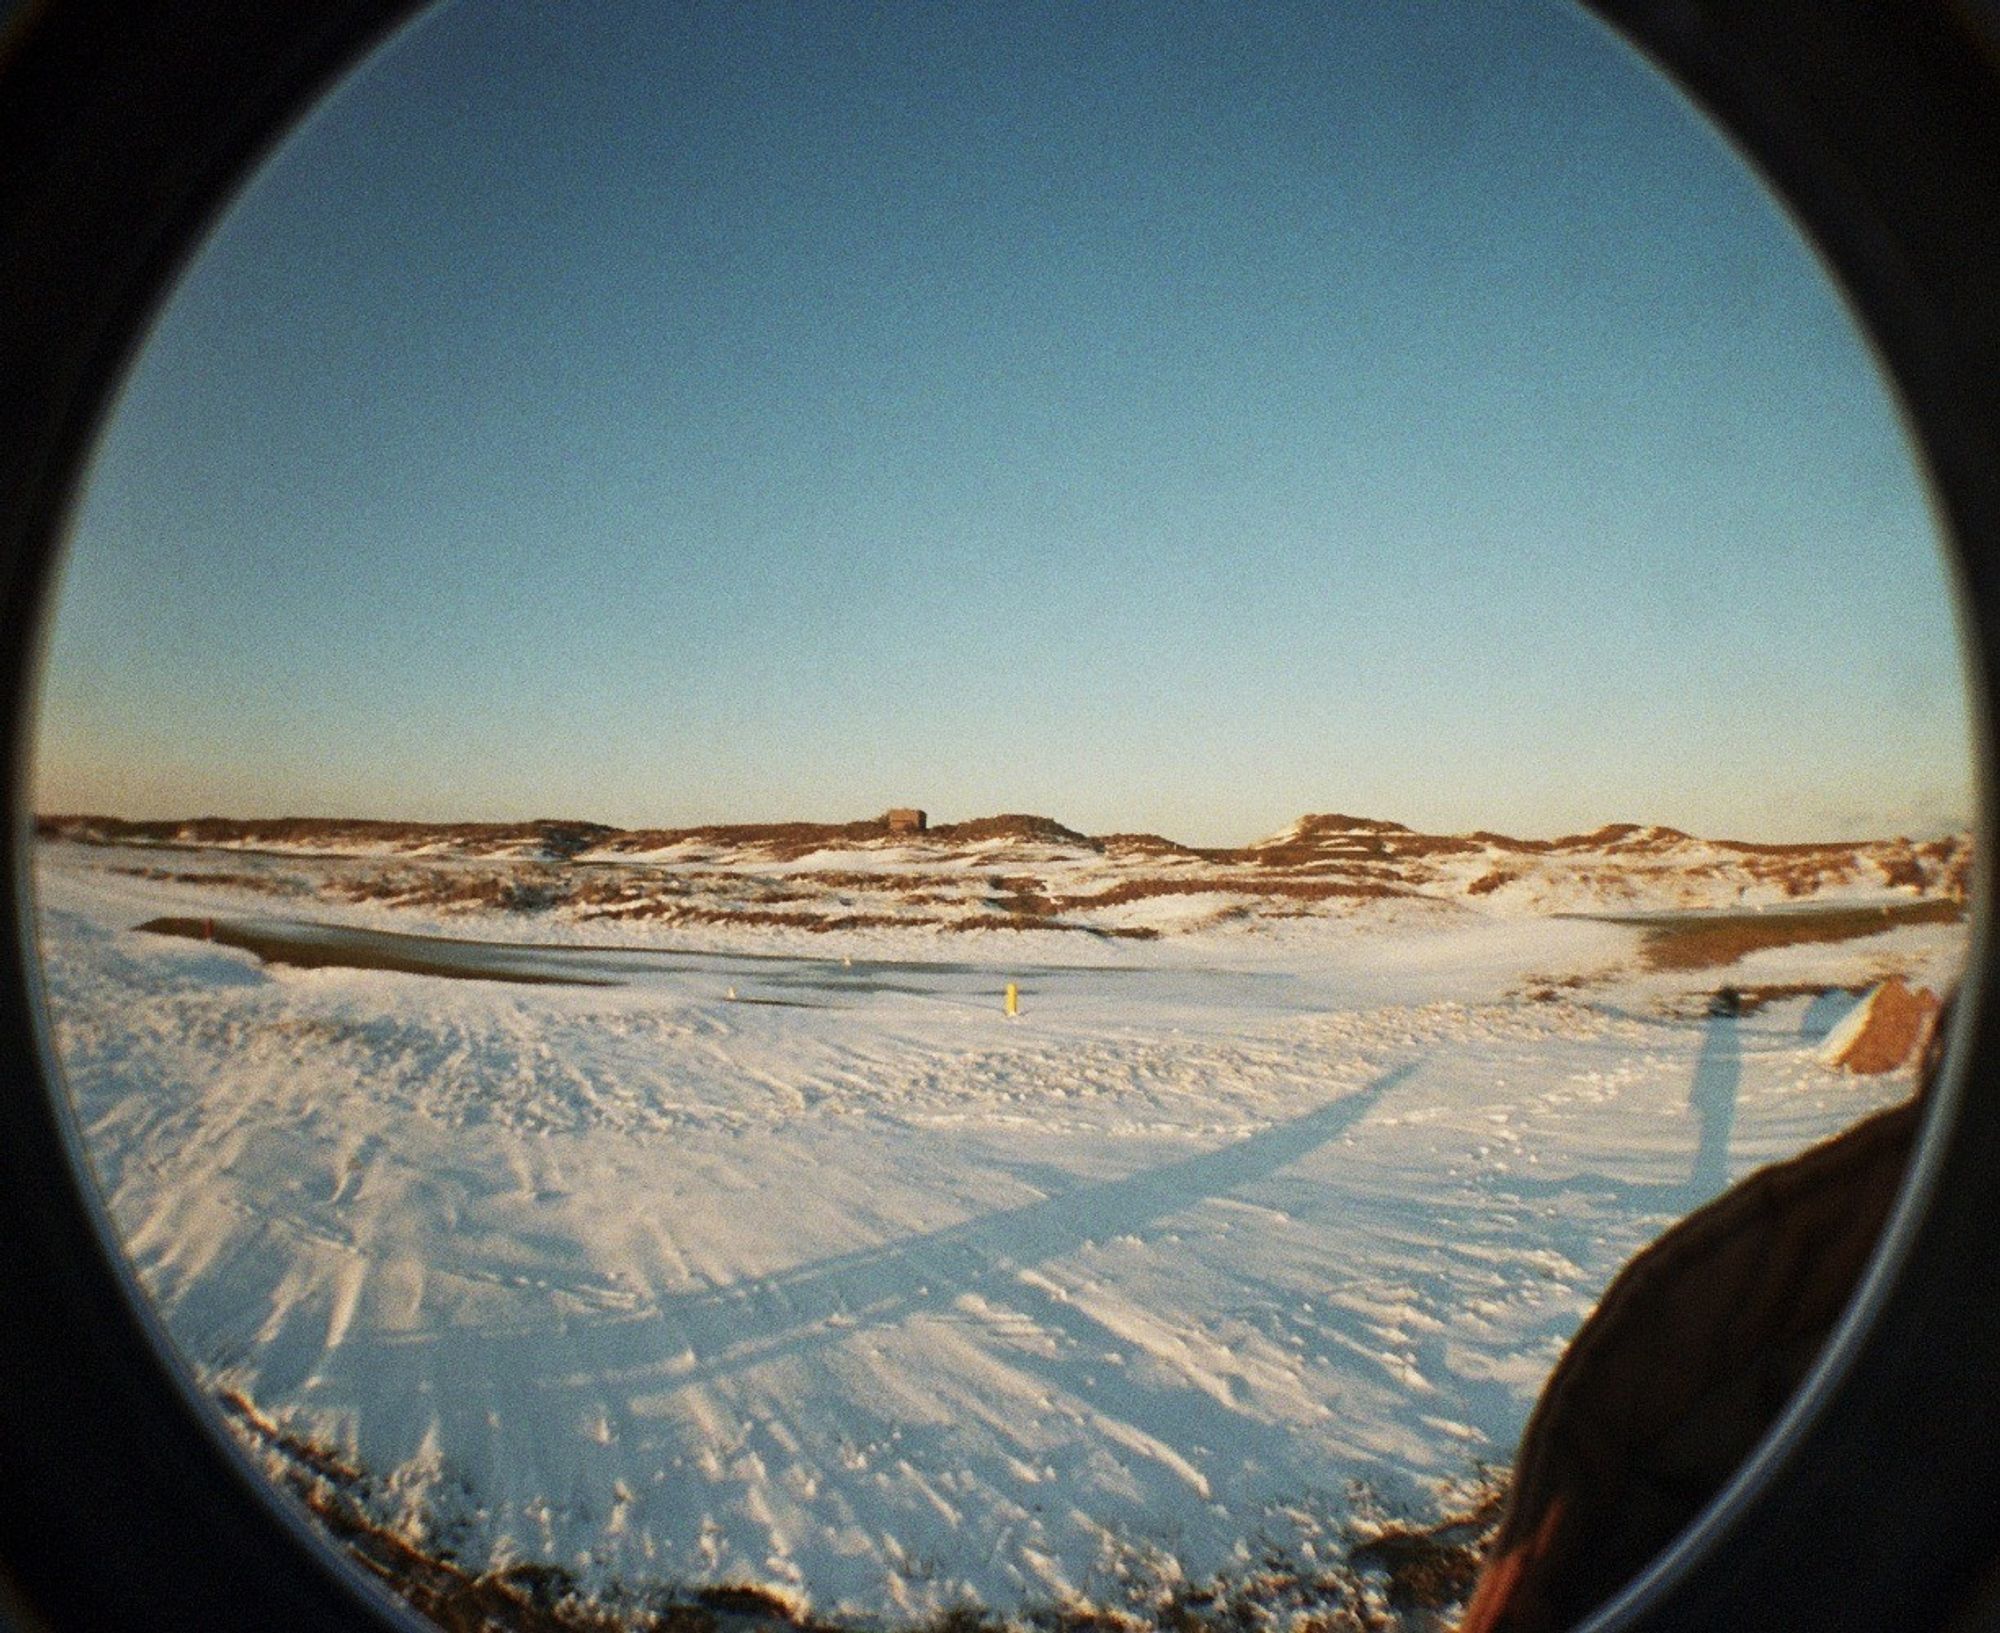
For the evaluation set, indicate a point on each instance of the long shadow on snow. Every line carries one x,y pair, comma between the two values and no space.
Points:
604,1361
794,1312
1718,1071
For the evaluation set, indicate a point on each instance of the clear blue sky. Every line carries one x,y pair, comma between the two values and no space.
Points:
1171,416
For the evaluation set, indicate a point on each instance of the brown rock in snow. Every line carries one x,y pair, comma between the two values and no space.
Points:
1891,1026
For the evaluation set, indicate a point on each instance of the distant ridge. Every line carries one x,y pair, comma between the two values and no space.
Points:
1053,872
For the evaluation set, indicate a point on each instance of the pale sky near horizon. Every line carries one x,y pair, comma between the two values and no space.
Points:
1172,417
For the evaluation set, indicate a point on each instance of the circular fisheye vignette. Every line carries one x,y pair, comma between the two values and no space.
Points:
1907,1209
126,135
1835,1478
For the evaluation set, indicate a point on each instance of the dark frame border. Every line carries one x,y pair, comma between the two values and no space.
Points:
124,129
1875,1504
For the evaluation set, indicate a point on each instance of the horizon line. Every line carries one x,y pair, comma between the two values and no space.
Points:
1359,824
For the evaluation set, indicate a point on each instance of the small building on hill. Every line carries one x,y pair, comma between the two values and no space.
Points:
905,819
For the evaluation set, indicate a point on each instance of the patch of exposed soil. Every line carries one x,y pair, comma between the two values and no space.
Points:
403,955
1710,942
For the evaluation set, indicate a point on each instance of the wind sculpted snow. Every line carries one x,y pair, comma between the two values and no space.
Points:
873,1293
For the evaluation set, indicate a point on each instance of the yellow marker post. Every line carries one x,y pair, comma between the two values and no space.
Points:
1013,999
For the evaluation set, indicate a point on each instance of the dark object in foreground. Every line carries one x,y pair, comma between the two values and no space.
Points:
1690,1357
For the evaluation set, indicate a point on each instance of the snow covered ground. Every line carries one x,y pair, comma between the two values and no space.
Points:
818,1271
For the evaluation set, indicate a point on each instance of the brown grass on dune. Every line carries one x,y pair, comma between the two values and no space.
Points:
849,879
997,921
1012,825
1506,842
1787,847
1625,835
1019,893
529,888
1146,844
559,837
1324,843
782,841
739,896
1940,865
1015,901
1308,850
1339,822
1404,846
267,884
787,841
537,867
1226,884
679,911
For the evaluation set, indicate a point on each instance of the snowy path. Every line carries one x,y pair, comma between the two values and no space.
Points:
895,1299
